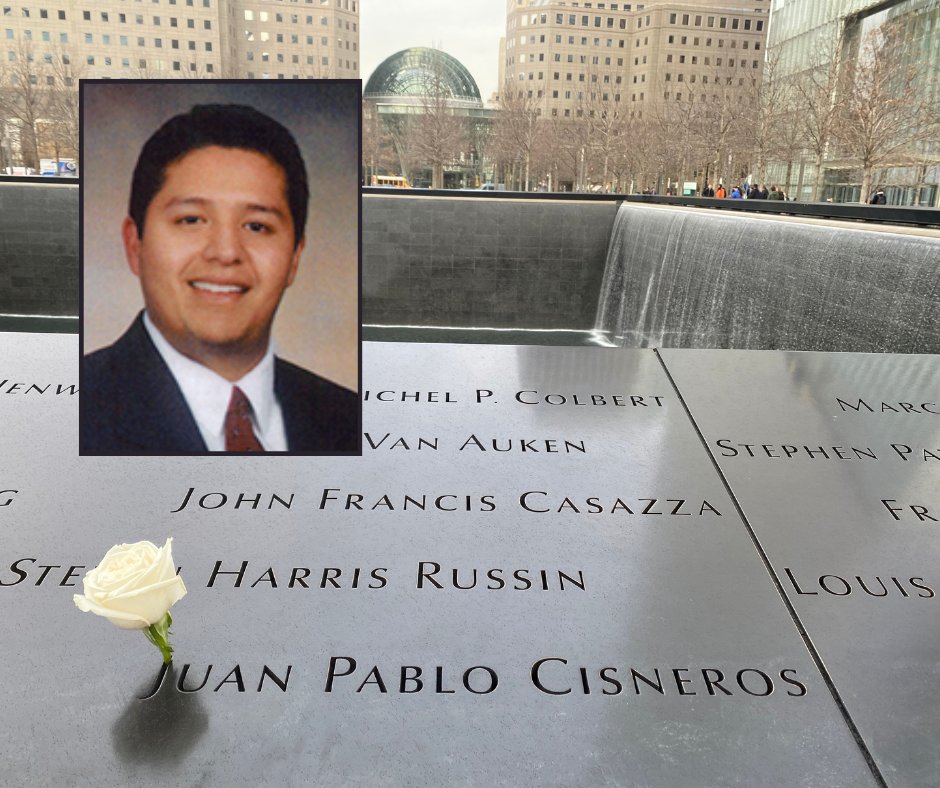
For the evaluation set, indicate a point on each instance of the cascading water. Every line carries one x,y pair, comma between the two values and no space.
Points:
687,277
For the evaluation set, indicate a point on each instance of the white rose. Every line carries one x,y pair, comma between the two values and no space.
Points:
134,585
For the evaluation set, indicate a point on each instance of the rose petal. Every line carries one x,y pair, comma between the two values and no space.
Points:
120,619
133,586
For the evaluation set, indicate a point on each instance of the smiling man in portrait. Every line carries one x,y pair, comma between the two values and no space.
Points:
214,233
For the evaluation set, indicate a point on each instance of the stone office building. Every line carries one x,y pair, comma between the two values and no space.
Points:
53,43
189,38
577,56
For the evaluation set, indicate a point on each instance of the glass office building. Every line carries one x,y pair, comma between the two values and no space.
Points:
803,33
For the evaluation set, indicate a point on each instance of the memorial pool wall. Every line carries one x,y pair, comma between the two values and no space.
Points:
638,275
39,272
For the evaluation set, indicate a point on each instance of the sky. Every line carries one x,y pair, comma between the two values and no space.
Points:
469,30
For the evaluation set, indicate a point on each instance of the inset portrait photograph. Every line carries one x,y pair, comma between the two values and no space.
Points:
220,267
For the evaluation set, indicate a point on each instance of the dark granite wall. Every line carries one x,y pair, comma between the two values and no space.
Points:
476,262
38,249
678,278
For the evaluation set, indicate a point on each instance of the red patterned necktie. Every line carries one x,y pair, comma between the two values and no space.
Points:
239,435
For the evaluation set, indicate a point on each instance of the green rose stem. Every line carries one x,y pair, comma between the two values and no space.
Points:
159,635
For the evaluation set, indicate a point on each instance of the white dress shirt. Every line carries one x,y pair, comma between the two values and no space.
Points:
207,394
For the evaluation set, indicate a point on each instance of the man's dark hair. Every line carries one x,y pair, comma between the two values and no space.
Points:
228,126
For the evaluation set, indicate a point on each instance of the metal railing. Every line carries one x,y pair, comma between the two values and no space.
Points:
879,214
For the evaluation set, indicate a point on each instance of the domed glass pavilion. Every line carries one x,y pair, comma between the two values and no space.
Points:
413,95
419,72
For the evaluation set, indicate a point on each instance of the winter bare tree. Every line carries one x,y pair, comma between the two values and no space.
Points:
816,105
517,129
62,109
888,111
442,133
24,99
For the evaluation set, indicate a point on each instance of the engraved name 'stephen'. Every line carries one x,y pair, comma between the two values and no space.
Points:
786,451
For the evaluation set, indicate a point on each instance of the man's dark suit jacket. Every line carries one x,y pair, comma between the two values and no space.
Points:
130,403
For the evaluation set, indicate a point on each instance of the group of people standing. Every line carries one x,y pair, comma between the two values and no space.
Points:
743,192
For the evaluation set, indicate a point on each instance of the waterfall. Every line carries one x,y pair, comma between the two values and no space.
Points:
690,277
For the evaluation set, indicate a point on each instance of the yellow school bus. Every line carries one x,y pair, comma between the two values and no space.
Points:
396,181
